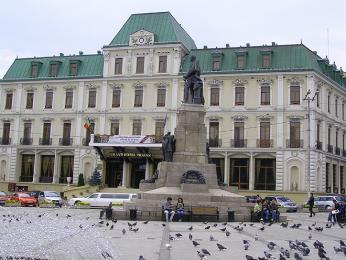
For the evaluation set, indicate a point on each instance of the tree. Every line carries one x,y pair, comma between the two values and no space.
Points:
81,180
95,178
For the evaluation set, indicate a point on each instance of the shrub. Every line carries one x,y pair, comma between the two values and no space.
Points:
95,178
81,180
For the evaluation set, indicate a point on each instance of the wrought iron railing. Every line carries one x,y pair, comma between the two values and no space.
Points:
294,143
26,141
65,141
264,143
238,143
45,141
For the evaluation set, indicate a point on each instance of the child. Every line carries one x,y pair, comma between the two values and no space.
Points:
180,209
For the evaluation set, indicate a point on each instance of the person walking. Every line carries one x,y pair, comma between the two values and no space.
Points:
311,203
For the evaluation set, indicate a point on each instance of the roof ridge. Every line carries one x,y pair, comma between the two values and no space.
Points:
151,13
65,56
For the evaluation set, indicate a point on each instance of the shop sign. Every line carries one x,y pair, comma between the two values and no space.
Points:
130,155
131,139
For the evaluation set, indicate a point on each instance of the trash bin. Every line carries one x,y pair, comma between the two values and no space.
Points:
133,214
230,216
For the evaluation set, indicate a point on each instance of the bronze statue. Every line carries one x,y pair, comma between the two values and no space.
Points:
193,88
168,147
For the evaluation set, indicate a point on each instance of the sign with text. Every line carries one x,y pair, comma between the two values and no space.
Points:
131,139
130,155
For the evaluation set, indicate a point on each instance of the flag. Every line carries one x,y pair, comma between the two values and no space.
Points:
164,121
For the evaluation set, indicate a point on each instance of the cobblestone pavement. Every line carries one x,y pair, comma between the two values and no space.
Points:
78,234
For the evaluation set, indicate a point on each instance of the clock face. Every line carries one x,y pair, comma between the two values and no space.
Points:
141,40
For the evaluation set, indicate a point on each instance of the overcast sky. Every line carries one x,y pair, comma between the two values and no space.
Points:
43,28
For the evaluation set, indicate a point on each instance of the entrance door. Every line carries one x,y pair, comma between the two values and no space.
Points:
114,172
137,172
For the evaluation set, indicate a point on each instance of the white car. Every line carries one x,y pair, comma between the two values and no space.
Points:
50,196
103,199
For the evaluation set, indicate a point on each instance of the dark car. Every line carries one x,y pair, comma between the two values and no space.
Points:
35,193
251,199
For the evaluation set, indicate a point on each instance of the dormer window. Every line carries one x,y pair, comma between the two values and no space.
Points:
35,66
73,69
53,69
266,56
216,64
217,58
241,60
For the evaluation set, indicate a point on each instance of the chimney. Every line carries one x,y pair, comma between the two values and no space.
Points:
205,47
80,53
248,45
227,45
315,52
273,43
98,52
61,54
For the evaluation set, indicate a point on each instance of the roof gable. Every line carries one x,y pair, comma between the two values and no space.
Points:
163,25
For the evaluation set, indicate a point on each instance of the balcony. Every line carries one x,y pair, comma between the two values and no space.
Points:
264,143
45,141
344,153
335,190
294,143
330,148
26,141
85,141
45,179
26,178
318,145
65,141
337,150
5,141
215,142
239,143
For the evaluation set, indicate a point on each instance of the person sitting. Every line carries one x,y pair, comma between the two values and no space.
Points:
334,212
180,209
257,210
265,210
274,210
168,209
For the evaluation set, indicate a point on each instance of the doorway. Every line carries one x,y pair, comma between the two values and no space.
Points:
114,172
137,172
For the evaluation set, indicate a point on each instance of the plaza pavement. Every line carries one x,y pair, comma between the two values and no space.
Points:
77,234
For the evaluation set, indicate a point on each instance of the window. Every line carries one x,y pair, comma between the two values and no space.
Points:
343,141
29,100
8,104
239,96
118,69
34,70
68,98
239,173
27,171
266,61
138,97
241,59
329,134
49,99
162,64
159,130
336,107
161,97
265,174
318,98
47,168
318,127
115,127
214,134
216,64
66,134
295,95
27,131
137,127
265,95
264,134
66,168
214,96
328,103
46,133
53,70
239,134
294,134
336,138
6,133
92,98
140,65
73,69
116,97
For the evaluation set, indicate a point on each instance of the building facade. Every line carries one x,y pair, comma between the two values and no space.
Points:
256,98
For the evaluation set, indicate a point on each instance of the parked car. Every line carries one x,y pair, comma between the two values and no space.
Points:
251,198
25,199
287,204
103,199
326,202
3,197
50,196
35,193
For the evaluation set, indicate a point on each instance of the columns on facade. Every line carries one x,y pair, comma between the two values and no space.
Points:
78,130
251,173
338,177
56,173
103,107
280,115
36,176
226,177
147,169
124,175
80,98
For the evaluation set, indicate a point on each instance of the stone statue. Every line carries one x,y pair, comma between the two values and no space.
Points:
193,88
168,147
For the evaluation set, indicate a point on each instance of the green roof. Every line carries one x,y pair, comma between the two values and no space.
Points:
164,26
295,57
89,66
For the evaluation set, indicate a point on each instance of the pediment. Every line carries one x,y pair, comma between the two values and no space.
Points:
141,37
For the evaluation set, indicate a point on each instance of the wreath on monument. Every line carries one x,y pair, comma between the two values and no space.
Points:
192,177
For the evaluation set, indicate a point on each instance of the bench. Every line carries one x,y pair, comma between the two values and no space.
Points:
186,217
255,218
204,212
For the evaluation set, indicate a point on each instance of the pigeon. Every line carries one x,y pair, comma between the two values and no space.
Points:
123,231
223,229
205,251
329,225
141,258
267,255
341,226
163,224
211,238
297,256
224,224
115,221
134,224
80,226
284,224
56,214
322,255
249,257
190,228
146,222
227,233
304,250
135,229
112,226
170,237
220,247
310,236
246,244
281,257
129,224
207,227
178,235
101,222
256,237
292,245
190,236
200,254
68,216
309,228
39,215
314,224
262,228
195,243
106,254
251,224
342,243
215,225
337,250
271,245
317,244
168,246
107,224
